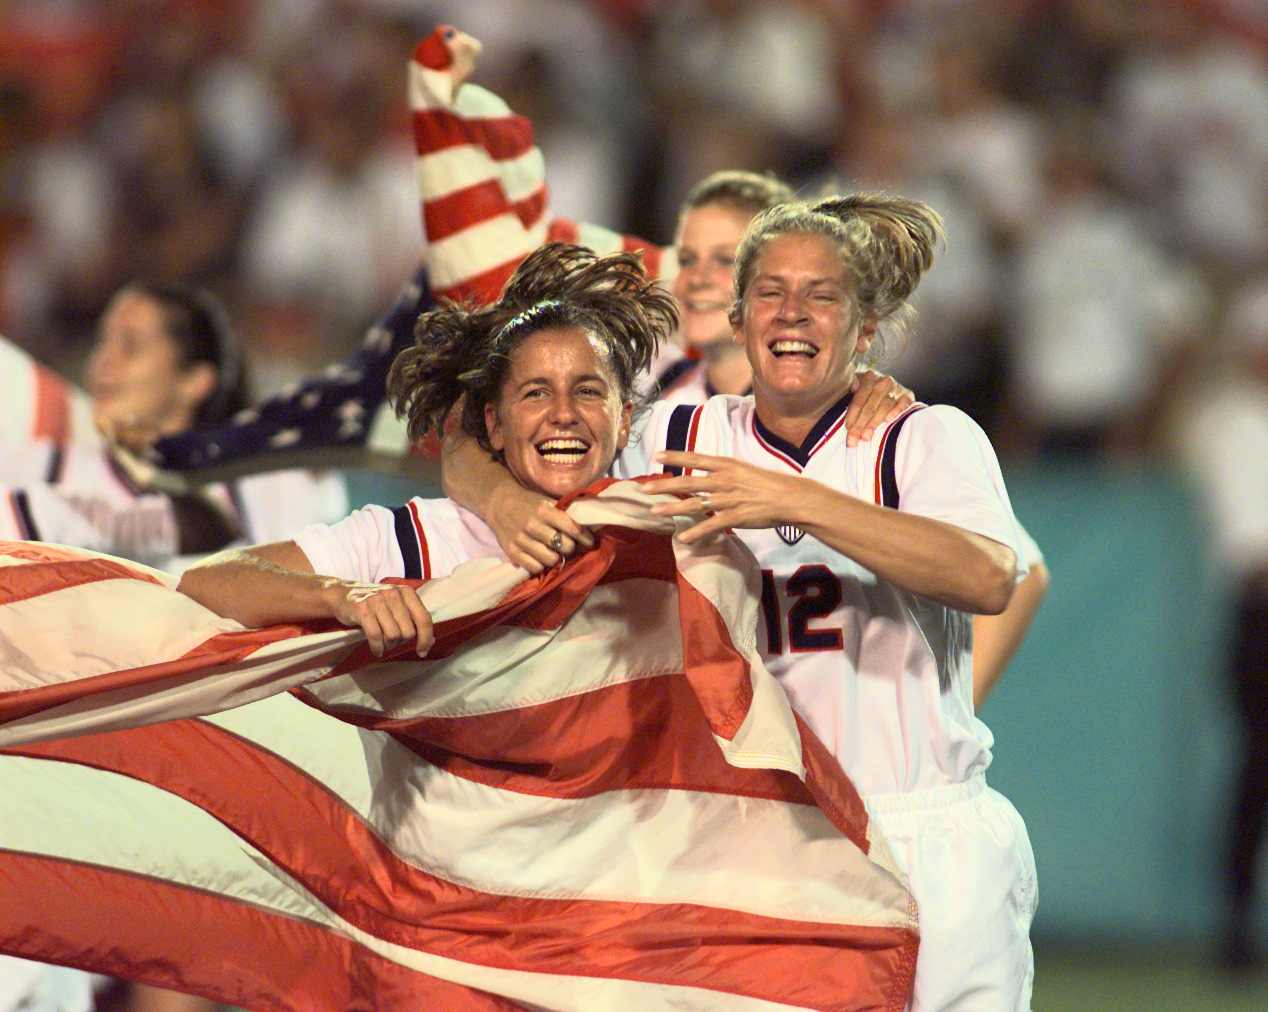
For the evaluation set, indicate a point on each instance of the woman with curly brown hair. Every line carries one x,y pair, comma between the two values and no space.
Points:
545,377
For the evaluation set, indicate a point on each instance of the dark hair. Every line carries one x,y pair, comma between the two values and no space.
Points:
464,352
199,325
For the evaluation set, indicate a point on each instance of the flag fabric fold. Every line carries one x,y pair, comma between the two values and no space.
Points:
590,795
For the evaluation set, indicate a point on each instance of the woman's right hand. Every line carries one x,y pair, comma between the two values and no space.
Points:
389,614
463,51
533,532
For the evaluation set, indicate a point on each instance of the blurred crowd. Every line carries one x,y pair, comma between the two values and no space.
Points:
1102,166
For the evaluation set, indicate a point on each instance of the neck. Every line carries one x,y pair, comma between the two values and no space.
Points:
792,416
727,369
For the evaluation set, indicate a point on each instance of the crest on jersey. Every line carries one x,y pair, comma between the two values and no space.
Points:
789,534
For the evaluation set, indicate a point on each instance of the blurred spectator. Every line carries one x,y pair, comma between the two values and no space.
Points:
1224,446
740,84
1190,111
337,224
1102,319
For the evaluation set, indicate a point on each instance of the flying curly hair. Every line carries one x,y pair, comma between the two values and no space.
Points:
463,352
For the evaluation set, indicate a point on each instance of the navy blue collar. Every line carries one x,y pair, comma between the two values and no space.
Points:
828,421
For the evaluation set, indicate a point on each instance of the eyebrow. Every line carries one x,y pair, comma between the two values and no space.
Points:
545,380
783,279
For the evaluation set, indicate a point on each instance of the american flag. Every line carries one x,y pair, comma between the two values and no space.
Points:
482,188
590,795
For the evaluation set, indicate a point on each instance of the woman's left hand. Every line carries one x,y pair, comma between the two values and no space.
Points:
726,493
877,399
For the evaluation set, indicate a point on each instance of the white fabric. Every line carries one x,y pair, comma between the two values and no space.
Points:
894,700
27,986
876,701
363,546
972,869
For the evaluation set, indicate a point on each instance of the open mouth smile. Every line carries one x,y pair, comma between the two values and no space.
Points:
563,451
801,349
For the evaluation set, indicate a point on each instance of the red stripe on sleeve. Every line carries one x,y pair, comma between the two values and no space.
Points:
422,540
52,407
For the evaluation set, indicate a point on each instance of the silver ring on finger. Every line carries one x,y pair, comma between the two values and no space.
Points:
705,500
557,542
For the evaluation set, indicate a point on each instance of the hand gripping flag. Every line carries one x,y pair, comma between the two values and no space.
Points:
590,795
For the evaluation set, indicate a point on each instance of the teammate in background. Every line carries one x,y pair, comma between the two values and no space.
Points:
165,361
874,558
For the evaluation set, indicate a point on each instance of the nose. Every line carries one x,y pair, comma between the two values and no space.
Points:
792,308
563,409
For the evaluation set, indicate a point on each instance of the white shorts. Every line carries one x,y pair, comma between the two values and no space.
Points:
968,859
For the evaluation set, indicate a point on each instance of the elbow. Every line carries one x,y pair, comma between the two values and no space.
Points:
996,582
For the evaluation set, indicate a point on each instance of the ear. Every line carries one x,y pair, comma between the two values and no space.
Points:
494,425
736,317
623,428
867,334
196,384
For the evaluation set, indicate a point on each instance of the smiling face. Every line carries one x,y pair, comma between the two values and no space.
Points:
136,375
706,242
798,325
559,421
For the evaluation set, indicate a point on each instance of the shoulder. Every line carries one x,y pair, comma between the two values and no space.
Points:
936,426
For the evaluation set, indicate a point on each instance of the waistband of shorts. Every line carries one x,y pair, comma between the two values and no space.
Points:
919,801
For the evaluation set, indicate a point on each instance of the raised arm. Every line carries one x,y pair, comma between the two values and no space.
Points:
482,179
275,583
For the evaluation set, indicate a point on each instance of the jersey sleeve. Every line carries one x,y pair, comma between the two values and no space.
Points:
361,547
947,470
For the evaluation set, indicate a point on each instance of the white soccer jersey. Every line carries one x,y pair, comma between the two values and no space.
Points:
883,676
80,496
424,539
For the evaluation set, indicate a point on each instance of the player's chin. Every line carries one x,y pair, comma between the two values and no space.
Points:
561,480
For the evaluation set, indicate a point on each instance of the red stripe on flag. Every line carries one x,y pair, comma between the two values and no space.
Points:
141,928
463,209
564,748
718,672
21,583
651,254
311,835
483,287
504,137
562,230
222,649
